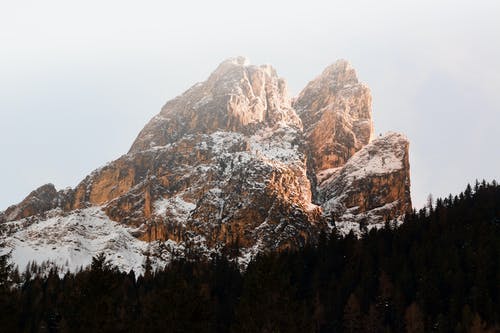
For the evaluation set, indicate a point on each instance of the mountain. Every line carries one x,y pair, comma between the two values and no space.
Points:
232,164
439,269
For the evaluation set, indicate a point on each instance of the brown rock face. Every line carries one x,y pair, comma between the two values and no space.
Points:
223,186
372,186
236,97
42,199
232,161
336,111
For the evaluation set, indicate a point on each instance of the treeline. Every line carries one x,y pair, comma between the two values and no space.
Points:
438,272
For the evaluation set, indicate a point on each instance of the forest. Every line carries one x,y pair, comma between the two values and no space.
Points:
437,272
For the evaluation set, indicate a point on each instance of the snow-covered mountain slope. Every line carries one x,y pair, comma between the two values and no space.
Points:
228,164
71,240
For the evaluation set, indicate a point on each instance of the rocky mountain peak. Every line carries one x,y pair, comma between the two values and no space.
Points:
236,97
340,73
230,163
228,65
321,91
335,109
41,199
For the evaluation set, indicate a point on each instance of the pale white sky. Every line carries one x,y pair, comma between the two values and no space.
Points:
79,79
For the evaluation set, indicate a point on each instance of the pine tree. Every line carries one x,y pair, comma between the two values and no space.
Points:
148,268
430,204
6,268
477,326
352,315
414,319
374,322
99,263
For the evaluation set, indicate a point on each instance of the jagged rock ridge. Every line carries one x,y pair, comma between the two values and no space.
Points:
233,162
336,111
234,97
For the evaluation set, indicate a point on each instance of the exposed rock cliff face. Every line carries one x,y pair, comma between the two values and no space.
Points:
42,199
372,187
234,97
336,111
232,162
220,186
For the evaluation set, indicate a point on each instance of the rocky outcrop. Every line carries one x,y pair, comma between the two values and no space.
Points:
224,161
39,201
372,187
335,109
223,186
236,97
232,163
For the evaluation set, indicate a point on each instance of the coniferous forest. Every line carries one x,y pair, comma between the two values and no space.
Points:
438,272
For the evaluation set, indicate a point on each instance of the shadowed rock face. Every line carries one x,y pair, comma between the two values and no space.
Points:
231,161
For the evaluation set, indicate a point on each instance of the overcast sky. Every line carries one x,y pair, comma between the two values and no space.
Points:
78,80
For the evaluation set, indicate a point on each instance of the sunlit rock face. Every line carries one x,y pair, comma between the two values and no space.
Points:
236,97
222,186
335,109
232,163
224,161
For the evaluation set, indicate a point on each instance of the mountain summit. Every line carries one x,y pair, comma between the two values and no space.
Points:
235,97
234,165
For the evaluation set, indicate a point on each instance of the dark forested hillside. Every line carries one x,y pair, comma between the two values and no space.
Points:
439,271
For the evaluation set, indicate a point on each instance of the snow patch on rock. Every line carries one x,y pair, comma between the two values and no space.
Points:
175,206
